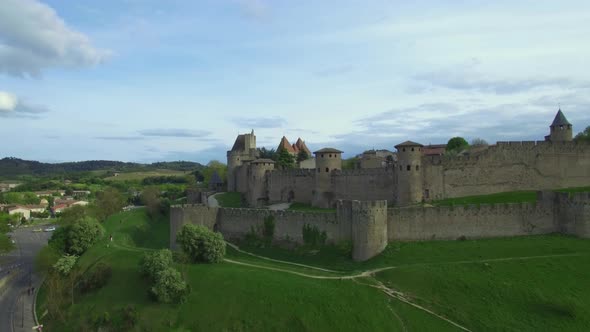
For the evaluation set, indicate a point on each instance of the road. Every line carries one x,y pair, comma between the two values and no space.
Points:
15,305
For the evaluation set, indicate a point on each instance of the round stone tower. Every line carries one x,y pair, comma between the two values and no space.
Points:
409,173
326,161
561,129
257,191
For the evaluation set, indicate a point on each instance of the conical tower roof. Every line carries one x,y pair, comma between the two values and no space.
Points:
560,120
284,144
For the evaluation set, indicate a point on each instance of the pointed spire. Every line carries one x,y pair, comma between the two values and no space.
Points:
560,119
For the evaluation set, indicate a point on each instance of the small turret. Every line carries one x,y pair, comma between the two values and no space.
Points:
561,129
257,193
326,161
409,173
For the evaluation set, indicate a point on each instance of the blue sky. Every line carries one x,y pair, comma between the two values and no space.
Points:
151,80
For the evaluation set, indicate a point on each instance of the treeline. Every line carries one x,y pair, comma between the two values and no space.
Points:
11,167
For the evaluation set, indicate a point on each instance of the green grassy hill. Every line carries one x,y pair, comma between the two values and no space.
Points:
519,284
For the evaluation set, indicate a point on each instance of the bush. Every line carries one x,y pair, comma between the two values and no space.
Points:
95,279
180,257
201,244
154,262
169,287
312,235
82,235
269,228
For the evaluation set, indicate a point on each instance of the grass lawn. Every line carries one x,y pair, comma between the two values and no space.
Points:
307,208
575,190
5,244
230,200
491,284
142,175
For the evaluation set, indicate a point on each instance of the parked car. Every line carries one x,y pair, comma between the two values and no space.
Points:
49,229
37,230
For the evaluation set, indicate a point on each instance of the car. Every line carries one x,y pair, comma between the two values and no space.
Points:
37,230
13,242
49,229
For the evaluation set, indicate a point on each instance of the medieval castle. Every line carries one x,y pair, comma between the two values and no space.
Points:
414,174
377,202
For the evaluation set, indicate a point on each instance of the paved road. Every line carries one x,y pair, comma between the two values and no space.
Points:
20,264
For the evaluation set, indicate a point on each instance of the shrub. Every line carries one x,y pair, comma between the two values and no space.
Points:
95,279
154,262
82,235
180,257
169,287
129,317
269,228
312,235
201,244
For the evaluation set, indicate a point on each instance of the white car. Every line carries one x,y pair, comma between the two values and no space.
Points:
49,229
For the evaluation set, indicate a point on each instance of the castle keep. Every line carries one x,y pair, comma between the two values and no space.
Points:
377,204
414,175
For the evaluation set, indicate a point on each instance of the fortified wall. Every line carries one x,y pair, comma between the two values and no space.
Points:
370,225
509,166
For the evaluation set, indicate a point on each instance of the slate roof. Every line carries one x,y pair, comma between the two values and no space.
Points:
240,143
215,179
408,143
328,150
560,120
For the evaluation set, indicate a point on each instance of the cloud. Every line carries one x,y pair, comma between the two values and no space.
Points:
175,133
33,38
12,106
120,138
260,122
334,70
467,77
256,9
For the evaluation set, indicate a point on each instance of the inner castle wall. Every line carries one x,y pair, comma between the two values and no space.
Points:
371,225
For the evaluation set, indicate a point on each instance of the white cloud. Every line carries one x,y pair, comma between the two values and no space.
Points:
7,102
33,37
256,9
11,106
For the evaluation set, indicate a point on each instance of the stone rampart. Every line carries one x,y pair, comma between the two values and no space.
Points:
294,185
198,214
364,184
471,221
369,229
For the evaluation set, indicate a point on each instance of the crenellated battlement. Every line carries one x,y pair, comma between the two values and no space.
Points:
293,172
363,172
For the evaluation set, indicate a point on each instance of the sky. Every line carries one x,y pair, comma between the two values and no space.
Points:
152,80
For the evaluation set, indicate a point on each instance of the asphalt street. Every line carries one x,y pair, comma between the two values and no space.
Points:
18,265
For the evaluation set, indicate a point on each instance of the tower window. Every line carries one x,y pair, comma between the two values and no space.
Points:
561,127
327,169
412,149
404,149
318,169
322,155
400,167
329,156
409,167
417,167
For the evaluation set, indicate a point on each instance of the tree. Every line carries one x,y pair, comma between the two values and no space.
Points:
212,167
457,144
201,244
65,264
169,287
108,202
285,159
479,142
350,163
302,155
72,215
583,136
154,262
150,197
265,153
82,235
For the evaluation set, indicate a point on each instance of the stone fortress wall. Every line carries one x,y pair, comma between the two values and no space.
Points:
509,166
370,225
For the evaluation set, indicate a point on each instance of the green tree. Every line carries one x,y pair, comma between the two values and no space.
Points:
285,159
302,155
65,264
154,262
267,153
457,144
82,235
72,215
212,167
350,163
169,287
583,136
150,197
479,142
107,203
201,244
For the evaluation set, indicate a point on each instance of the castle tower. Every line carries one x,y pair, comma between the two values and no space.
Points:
409,173
257,190
561,129
243,150
326,161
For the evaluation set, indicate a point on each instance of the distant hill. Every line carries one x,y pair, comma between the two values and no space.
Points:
11,167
